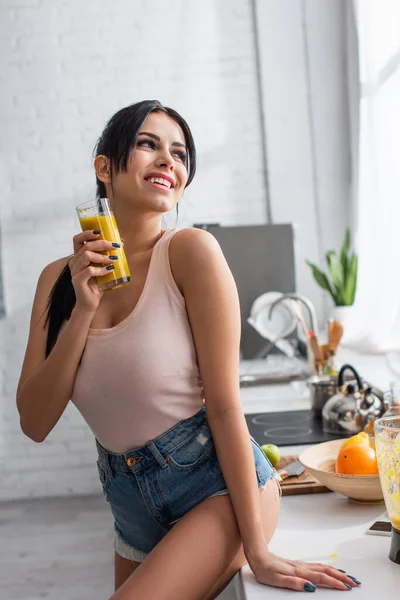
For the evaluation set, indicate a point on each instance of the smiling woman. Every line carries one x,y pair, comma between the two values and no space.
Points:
153,368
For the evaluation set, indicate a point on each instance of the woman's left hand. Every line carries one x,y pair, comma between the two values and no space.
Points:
273,570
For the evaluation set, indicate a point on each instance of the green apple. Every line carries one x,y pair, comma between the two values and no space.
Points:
272,452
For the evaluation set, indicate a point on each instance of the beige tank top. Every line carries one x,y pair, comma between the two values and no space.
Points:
138,379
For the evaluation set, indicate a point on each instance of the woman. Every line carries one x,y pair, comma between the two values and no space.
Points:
190,491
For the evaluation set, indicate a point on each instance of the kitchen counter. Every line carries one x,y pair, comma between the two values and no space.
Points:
329,528
325,527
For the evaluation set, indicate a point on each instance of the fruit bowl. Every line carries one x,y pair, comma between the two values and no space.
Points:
320,462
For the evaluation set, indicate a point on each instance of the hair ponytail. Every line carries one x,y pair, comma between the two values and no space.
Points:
59,307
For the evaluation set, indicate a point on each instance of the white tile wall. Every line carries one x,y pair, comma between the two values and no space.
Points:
65,68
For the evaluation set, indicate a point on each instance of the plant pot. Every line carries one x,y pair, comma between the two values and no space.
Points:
347,317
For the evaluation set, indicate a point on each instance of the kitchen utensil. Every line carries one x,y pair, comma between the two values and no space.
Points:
316,351
324,353
299,315
391,399
292,470
335,332
301,484
320,461
322,388
350,409
387,440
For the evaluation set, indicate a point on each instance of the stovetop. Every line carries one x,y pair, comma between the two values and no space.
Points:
288,428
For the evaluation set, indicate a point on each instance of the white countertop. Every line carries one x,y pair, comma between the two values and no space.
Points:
326,527
329,528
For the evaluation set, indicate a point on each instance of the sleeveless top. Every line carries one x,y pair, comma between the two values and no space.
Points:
138,379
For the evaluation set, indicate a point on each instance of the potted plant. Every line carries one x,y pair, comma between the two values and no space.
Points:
341,280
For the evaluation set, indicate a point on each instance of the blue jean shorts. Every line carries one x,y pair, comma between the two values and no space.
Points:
150,488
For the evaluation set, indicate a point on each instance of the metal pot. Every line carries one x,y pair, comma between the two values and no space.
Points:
322,388
350,409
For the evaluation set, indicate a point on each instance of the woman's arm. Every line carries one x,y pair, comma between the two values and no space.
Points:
201,271
205,280
45,385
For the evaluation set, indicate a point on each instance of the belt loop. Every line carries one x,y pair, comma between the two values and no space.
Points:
157,455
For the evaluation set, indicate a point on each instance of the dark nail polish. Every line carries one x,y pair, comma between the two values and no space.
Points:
309,587
113,257
110,267
96,231
354,579
116,245
348,586
342,570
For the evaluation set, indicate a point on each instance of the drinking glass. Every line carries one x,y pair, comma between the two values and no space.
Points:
98,214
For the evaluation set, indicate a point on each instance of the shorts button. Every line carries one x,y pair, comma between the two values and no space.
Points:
131,462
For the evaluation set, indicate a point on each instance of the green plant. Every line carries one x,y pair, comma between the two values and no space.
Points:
343,274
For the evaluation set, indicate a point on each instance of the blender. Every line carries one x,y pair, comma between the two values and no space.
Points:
387,445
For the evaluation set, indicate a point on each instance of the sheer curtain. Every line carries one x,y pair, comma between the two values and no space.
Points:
377,167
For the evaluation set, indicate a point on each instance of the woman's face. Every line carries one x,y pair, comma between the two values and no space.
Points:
156,173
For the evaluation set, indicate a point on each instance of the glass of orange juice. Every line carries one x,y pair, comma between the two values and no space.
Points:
98,214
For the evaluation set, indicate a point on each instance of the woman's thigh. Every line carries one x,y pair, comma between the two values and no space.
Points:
194,556
123,568
270,506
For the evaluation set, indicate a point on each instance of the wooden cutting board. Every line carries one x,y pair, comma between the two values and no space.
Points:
302,484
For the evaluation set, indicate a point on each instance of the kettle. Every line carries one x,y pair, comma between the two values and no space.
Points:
352,407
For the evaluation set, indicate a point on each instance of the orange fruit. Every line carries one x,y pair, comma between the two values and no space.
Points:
357,459
359,438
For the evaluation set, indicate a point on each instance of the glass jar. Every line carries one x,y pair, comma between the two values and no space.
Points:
391,399
387,445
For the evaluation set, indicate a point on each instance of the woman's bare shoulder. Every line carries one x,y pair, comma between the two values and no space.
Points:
192,249
52,271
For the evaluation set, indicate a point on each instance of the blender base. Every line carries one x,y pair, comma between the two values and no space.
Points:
394,553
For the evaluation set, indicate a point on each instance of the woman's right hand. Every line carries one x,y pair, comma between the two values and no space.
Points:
87,251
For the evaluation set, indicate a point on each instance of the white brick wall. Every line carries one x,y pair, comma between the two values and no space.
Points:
65,68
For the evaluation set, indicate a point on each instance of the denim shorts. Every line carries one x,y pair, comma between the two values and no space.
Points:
150,488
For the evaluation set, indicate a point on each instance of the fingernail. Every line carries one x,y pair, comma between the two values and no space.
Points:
309,587
113,257
110,267
96,231
354,579
342,570
348,586
116,245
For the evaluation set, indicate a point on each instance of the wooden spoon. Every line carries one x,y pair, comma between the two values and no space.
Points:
316,351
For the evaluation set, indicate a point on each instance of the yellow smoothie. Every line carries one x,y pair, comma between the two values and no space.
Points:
109,231
388,455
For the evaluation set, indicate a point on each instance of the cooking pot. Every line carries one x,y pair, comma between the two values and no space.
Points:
352,407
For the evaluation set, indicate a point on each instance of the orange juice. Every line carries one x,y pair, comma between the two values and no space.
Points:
109,231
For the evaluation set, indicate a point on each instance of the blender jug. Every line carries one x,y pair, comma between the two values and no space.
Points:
387,445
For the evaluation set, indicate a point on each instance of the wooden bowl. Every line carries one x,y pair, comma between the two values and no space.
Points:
320,462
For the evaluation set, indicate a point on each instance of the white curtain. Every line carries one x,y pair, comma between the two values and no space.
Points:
376,325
